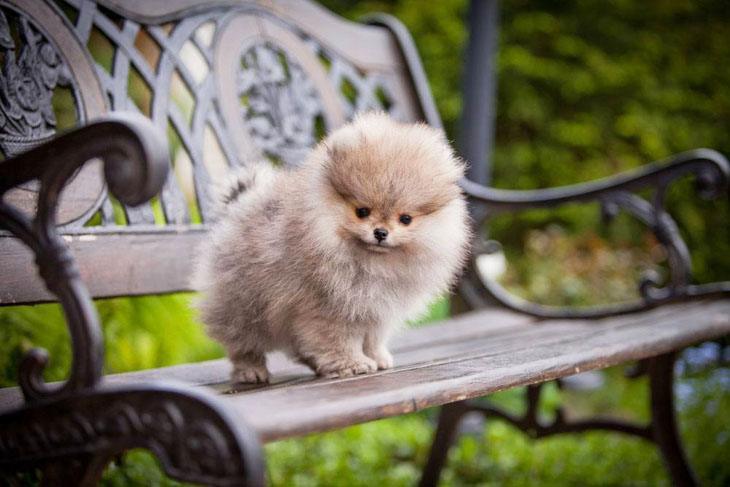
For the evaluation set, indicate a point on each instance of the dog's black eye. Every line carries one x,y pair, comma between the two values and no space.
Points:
406,219
362,212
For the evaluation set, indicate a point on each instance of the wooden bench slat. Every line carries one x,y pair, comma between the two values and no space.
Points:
472,355
106,269
459,330
321,405
211,372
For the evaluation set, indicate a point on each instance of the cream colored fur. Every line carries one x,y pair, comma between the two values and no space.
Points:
290,266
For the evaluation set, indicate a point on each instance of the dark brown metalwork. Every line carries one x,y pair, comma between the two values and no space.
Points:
416,74
662,430
282,106
30,73
78,420
42,72
192,436
135,165
663,421
449,418
712,173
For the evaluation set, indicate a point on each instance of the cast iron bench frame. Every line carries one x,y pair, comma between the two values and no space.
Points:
71,430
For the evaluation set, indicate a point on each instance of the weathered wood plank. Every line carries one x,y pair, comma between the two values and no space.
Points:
469,356
463,329
577,346
323,405
118,264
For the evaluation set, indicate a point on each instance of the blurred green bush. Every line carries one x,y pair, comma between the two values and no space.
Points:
139,333
588,88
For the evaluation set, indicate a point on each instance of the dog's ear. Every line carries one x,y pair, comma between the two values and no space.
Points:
343,140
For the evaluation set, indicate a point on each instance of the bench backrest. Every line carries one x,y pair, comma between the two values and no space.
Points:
226,81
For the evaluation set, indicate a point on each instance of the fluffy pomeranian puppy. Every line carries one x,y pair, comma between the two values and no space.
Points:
325,260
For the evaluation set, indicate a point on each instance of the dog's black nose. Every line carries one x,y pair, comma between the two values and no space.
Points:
380,234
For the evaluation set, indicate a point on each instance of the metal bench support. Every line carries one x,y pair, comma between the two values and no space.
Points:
662,430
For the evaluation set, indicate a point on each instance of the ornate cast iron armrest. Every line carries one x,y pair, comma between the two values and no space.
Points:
135,166
73,430
616,193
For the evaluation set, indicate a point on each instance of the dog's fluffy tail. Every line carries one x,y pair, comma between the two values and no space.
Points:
241,181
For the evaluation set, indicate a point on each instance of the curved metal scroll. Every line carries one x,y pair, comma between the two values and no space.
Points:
47,84
712,173
31,71
194,439
135,167
282,103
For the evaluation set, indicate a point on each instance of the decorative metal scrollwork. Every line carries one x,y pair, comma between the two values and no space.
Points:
192,437
30,72
712,173
279,103
136,165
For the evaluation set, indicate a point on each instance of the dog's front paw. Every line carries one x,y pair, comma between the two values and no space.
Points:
382,358
249,374
347,366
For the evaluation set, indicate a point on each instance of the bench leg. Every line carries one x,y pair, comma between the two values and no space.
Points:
448,422
664,424
83,471
662,430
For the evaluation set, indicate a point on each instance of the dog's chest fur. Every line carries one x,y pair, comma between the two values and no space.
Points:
363,292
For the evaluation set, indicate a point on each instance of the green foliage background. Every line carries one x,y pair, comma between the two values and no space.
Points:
587,88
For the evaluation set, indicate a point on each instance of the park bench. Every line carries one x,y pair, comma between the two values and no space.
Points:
193,88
